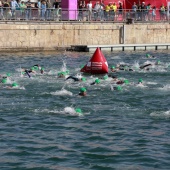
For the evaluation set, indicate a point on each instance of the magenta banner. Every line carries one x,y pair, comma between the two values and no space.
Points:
69,9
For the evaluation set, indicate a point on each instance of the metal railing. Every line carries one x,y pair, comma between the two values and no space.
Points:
51,14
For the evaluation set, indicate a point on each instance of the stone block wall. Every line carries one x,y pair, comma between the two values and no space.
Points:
51,36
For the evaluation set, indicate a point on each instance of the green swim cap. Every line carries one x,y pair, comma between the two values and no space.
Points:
35,68
61,73
105,77
82,89
148,55
78,110
140,80
32,68
119,88
158,62
4,81
42,68
67,72
83,79
97,81
113,67
126,81
14,85
8,74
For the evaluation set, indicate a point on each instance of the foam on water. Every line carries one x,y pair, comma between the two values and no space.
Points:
161,114
165,87
62,92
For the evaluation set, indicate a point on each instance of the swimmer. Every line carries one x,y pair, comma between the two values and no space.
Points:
42,70
4,80
63,74
76,79
140,81
149,56
37,67
27,72
13,86
83,91
79,111
124,67
123,82
150,64
113,77
113,69
117,88
97,81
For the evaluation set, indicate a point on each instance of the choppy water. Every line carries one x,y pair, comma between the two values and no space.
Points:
128,129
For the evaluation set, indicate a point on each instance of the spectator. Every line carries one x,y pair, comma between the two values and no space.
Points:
14,4
80,8
107,11
143,10
96,10
1,9
7,11
28,10
162,12
43,10
153,13
48,11
113,11
56,8
120,8
39,8
148,7
22,9
134,11
89,7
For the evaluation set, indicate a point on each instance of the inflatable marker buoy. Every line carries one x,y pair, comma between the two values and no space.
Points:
97,64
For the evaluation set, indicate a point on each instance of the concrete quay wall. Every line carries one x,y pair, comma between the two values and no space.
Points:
37,36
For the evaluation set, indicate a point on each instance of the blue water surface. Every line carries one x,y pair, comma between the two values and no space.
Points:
128,129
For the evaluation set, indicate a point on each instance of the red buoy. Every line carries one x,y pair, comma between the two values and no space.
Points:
97,64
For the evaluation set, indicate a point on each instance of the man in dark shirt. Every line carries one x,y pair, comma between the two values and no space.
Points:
56,4
56,9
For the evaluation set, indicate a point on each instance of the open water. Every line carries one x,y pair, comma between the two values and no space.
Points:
122,130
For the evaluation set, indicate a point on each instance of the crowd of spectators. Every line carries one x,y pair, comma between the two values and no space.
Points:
114,11
149,12
45,10
16,9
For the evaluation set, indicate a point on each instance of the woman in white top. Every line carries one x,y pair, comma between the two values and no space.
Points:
89,7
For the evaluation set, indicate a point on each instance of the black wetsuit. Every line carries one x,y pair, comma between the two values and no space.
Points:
72,77
142,67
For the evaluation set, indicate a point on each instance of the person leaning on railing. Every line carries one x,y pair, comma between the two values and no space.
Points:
28,10
134,11
56,7
6,9
49,9
107,11
89,8
22,9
